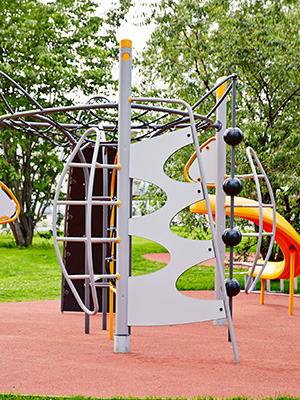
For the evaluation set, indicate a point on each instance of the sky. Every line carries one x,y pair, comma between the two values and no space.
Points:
129,29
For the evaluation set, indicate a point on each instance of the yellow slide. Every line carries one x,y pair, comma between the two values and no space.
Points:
286,237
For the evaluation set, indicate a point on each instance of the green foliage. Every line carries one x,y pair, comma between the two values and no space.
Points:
195,42
56,51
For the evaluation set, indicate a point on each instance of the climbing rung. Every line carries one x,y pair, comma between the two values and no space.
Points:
257,234
102,284
96,277
84,239
102,198
108,166
98,165
85,202
250,205
246,176
247,264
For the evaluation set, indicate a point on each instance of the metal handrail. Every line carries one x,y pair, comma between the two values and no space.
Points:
203,186
251,153
88,238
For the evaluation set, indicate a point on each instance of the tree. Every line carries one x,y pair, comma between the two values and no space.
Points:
196,42
56,51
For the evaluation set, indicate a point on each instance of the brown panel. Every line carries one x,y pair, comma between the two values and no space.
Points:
75,226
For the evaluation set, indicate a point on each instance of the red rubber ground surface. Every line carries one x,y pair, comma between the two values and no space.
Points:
46,352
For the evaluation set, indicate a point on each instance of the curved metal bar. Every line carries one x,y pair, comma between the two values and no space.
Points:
250,287
6,220
88,233
232,76
52,110
88,102
203,186
35,113
21,90
58,127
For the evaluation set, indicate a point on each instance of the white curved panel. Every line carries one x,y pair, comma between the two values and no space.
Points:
153,298
209,161
7,206
153,301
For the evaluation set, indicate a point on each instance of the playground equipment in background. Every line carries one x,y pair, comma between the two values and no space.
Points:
9,205
101,240
286,237
264,217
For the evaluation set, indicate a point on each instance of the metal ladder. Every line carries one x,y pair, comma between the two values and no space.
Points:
250,285
91,280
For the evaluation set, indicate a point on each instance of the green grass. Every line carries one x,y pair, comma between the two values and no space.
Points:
29,273
33,273
140,265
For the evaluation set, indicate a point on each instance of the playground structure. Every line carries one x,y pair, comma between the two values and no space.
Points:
9,205
102,155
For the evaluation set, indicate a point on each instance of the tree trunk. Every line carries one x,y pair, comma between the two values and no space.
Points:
23,237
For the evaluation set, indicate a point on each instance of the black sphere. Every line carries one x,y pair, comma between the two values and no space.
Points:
233,136
233,287
231,237
232,186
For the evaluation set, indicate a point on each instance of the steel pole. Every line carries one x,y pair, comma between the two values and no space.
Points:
121,337
220,216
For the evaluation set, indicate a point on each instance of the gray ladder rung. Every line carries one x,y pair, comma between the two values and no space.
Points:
246,176
84,239
250,205
96,277
102,284
257,234
108,166
98,165
247,264
85,202
103,198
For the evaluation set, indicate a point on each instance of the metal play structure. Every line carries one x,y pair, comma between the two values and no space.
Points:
9,205
114,143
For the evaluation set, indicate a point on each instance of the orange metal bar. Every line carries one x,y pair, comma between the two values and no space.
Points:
112,290
262,291
5,219
292,276
111,314
188,164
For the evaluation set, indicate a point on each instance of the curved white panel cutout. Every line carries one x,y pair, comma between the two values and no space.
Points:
7,206
208,154
154,298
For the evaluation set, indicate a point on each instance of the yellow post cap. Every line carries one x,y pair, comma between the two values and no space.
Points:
125,43
221,89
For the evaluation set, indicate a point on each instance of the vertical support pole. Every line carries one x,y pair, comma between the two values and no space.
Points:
262,291
121,337
292,276
220,195
105,192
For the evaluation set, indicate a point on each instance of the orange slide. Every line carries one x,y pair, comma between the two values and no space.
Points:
286,237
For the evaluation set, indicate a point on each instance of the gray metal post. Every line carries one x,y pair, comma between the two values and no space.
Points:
220,195
121,337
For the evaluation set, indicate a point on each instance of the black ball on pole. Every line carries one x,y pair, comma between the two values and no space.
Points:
233,136
233,287
232,186
231,237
